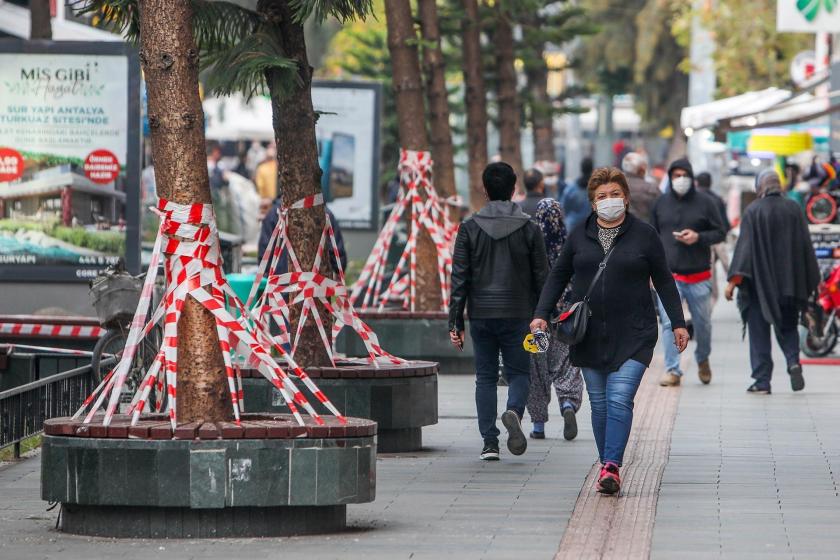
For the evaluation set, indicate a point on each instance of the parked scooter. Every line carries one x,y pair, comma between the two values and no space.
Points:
821,320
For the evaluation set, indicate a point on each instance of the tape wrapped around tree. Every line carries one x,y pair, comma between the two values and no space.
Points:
425,209
188,240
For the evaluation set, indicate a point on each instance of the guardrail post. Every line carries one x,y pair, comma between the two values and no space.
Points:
16,450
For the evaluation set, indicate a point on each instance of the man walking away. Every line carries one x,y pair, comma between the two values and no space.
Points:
575,200
689,225
498,270
534,192
643,193
776,271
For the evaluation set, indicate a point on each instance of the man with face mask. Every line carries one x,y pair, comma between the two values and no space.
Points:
688,224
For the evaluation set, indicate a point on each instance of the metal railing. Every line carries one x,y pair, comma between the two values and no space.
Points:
24,409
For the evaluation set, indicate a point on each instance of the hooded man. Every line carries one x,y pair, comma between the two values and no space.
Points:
776,271
689,224
498,270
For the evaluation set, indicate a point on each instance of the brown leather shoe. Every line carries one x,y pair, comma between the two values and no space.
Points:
704,372
670,379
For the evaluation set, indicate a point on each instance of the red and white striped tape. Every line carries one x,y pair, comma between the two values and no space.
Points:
189,240
427,213
48,330
305,288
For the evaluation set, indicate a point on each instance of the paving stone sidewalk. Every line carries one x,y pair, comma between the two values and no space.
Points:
439,503
751,476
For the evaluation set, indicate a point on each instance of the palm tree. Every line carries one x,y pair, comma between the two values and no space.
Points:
253,52
476,101
411,114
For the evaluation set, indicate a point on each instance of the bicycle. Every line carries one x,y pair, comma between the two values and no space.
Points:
115,294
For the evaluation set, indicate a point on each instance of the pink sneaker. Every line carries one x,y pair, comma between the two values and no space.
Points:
609,481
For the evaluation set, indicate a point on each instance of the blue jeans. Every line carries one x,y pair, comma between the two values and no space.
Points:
489,337
611,400
699,299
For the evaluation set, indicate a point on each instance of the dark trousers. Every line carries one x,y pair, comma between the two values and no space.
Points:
787,336
489,337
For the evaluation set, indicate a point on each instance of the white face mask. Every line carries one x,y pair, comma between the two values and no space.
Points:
681,185
610,209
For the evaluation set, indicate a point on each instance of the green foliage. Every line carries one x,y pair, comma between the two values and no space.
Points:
242,67
749,54
342,10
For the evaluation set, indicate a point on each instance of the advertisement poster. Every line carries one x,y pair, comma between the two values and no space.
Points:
826,241
348,148
69,148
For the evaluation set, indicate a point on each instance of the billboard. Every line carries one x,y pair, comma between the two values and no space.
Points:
808,16
348,149
69,159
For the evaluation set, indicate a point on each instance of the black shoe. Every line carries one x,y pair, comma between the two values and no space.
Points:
537,435
569,423
797,382
516,443
759,389
490,452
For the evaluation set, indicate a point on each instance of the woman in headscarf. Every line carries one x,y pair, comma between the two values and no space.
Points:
776,271
554,368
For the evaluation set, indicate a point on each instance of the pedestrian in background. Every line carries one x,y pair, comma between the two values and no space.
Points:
618,345
575,201
688,223
265,177
719,252
498,270
776,271
553,368
534,192
643,193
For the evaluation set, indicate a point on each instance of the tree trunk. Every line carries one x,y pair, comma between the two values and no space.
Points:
509,118
476,101
443,151
541,119
40,25
408,95
293,118
170,63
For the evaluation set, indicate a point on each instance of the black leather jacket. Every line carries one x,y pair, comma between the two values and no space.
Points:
497,276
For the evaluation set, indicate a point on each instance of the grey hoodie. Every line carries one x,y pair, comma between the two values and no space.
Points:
500,218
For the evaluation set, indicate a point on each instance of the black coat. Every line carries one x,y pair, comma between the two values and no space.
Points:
497,276
695,211
623,322
775,257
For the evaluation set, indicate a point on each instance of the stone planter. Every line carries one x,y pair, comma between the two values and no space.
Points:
413,336
268,477
401,399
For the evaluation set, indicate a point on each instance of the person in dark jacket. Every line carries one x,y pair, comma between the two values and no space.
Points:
643,193
776,271
270,222
719,253
689,225
621,335
574,200
534,192
498,269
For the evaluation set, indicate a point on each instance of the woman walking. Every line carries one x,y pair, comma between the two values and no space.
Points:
618,344
554,368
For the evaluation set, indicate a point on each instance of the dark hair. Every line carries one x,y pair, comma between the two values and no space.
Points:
604,176
586,166
704,180
499,181
533,178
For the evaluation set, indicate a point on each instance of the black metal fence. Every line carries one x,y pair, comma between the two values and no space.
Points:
24,409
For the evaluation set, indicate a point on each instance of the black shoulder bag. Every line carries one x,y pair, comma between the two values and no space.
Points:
571,325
